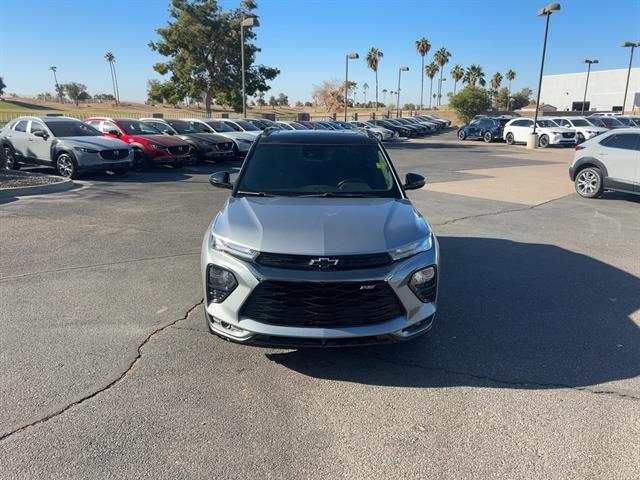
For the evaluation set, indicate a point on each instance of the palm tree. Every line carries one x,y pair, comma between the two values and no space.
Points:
510,76
55,77
373,59
110,58
473,75
422,47
496,80
365,86
457,72
431,71
441,57
384,95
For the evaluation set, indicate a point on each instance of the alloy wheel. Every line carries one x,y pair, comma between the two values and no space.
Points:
587,183
10,159
65,165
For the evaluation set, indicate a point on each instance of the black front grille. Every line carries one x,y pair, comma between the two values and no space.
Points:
224,146
324,263
568,134
179,150
114,154
322,304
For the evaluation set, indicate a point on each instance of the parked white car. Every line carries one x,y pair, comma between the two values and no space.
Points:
381,133
609,161
549,133
242,141
584,128
240,125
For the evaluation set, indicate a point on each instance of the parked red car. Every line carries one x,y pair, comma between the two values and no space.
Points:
149,145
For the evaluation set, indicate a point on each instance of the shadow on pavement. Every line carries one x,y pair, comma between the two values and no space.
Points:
535,315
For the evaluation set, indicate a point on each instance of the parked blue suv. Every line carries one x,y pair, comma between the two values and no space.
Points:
488,129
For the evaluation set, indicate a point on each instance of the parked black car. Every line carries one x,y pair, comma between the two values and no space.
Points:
206,146
420,129
402,131
486,128
606,122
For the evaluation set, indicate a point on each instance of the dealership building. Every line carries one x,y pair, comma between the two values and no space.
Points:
605,91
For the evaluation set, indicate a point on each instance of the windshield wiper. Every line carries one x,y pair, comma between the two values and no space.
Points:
254,194
336,194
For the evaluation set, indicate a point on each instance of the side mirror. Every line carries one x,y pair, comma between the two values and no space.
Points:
169,132
413,181
221,180
114,132
41,133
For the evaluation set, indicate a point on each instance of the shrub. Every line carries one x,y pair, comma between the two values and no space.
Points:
469,102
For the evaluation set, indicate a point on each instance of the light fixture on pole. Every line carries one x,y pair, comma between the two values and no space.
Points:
247,22
532,140
350,56
402,69
584,99
633,45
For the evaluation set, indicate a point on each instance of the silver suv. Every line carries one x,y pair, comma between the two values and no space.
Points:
67,144
319,245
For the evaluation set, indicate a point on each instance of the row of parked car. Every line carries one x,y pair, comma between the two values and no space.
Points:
72,146
551,130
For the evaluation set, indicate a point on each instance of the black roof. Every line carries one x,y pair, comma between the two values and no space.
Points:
317,137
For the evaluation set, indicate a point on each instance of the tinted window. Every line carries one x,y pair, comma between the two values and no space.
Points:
136,127
158,126
580,123
546,123
247,126
612,122
109,127
72,129
219,126
297,126
628,141
21,126
350,170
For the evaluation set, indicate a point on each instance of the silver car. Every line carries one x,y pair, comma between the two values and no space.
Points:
67,144
318,244
381,133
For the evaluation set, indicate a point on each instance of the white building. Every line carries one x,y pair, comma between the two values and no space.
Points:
604,93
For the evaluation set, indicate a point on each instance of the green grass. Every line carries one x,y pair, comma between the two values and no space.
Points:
19,106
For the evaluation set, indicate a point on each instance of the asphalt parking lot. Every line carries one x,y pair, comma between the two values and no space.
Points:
531,371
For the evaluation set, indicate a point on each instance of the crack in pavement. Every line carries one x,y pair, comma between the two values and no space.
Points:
499,212
95,265
108,386
517,383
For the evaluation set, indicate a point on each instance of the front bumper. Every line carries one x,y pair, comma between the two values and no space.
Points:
225,319
93,162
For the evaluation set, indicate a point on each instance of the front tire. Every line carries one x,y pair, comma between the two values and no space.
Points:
66,165
487,137
543,141
140,160
509,139
588,182
462,135
11,163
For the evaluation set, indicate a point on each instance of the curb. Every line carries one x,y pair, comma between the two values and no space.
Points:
61,186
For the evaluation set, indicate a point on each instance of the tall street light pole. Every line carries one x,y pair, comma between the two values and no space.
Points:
247,22
55,78
532,140
633,45
584,99
440,90
400,70
349,56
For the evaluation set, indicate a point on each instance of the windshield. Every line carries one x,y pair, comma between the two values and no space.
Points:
297,126
596,122
625,121
580,123
318,170
612,122
183,127
135,127
219,126
547,124
72,129
247,126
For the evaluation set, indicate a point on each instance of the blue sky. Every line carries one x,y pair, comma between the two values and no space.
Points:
308,39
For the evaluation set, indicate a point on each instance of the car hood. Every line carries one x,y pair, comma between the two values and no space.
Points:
97,142
557,129
320,226
238,135
207,137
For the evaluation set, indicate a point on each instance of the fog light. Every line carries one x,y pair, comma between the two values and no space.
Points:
423,284
220,283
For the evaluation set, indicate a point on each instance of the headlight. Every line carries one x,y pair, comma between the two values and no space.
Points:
412,249
423,284
220,283
158,147
86,150
222,245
